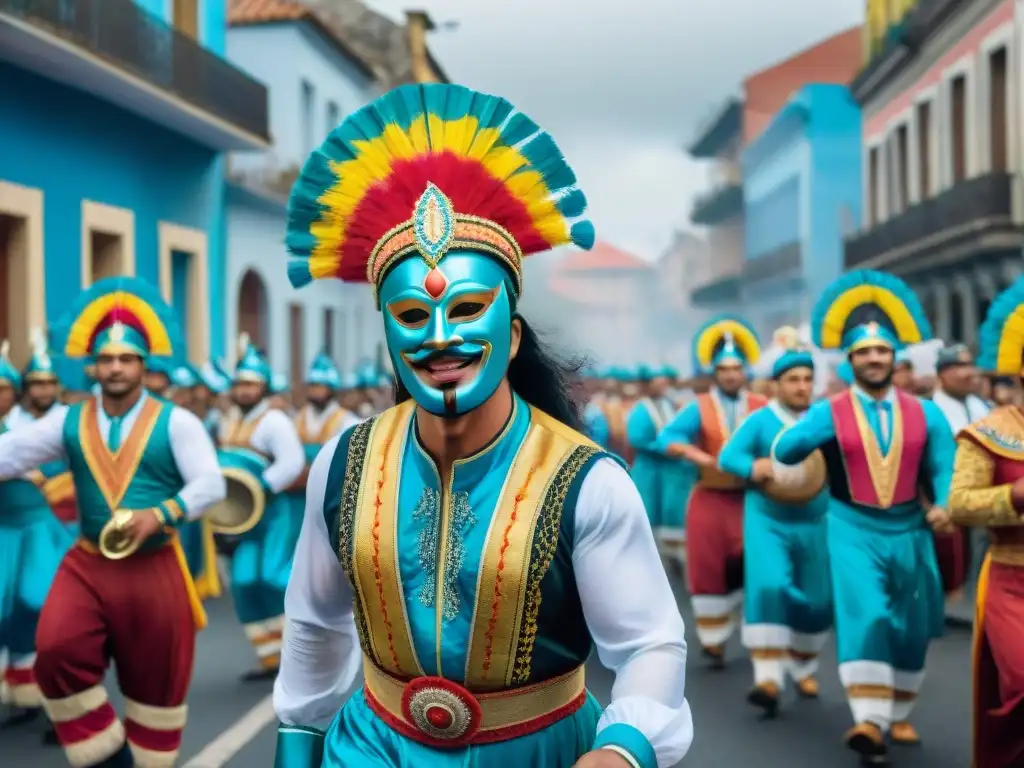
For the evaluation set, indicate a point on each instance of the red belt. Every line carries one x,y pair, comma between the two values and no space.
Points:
439,713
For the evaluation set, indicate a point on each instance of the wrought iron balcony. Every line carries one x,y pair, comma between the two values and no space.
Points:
129,57
721,203
957,219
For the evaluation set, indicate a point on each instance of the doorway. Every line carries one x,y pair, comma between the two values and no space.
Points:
253,310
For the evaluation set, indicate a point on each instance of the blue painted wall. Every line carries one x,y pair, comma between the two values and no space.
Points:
799,177
212,20
74,147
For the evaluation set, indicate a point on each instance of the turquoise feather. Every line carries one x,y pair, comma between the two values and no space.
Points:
855,279
990,335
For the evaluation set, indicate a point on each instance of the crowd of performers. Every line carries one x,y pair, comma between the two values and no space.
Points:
797,516
463,552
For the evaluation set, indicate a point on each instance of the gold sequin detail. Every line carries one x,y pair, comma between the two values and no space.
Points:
357,446
545,543
972,498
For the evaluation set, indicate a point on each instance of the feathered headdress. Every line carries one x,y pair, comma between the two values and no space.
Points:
40,364
725,336
251,365
865,308
1001,338
120,314
426,169
8,373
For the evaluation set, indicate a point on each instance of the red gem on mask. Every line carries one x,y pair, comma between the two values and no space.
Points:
439,717
436,283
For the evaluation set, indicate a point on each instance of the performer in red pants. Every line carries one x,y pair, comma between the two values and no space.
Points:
147,467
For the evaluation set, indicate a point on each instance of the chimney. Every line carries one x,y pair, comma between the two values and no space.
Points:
417,25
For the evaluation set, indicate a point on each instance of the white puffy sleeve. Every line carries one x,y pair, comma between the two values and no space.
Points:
634,620
320,658
30,446
277,437
197,463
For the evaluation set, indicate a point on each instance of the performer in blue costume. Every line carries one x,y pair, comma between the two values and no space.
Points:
481,544
650,470
879,443
678,479
159,375
33,538
214,384
261,559
787,606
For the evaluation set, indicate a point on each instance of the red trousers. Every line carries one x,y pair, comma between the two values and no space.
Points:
951,553
999,668
714,561
137,613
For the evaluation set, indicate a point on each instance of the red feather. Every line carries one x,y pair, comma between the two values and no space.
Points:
122,316
472,190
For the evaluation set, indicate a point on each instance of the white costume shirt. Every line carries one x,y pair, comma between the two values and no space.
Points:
314,420
274,436
20,417
42,441
960,413
639,635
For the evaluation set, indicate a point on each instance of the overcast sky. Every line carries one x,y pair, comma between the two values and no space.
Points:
623,84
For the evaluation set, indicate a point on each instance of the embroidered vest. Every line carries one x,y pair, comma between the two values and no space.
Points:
517,617
139,475
858,470
237,432
715,432
1001,433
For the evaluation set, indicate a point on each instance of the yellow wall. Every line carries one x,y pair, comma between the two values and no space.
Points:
879,16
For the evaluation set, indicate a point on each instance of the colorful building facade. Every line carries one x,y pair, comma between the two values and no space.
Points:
111,157
802,194
942,157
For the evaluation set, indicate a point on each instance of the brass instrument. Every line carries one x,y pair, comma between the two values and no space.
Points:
243,506
113,541
814,477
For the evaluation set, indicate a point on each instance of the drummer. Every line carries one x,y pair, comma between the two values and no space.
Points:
787,597
262,561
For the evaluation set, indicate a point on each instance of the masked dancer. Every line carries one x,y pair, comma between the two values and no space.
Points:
141,468
879,444
988,492
487,545
787,608
259,439
722,348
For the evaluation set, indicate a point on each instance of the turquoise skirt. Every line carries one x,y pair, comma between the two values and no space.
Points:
357,737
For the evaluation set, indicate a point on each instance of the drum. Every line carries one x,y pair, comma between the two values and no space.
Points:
798,484
246,499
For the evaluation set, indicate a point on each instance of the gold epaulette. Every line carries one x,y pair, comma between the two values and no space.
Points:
1001,432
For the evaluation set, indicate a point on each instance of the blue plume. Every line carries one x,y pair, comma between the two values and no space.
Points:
868,277
997,327
583,235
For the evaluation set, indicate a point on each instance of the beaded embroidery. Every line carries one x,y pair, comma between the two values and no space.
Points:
428,510
1003,441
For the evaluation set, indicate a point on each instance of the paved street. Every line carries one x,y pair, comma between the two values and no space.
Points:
230,724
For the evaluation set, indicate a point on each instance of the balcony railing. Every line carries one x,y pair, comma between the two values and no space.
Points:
781,262
969,208
124,35
719,204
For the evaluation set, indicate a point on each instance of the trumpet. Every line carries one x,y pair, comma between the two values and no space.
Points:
114,543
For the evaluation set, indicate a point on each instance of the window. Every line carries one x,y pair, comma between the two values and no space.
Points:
308,95
998,112
333,116
252,309
181,267
329,333
296,342
924,150
958,127
108,242
873,186
184,284
22,291
186,17
901,168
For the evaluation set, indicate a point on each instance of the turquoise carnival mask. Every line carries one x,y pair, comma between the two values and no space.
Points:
434,194
433,339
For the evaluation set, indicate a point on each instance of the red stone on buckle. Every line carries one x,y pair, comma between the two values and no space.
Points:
443,711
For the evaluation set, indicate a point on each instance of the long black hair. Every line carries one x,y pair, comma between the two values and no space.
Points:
547,379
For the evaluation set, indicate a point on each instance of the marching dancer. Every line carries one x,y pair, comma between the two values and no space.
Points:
261,559
37,514
141,468
988,492
607,416
787,594
645,420
723,348
482,545
321,418
878,443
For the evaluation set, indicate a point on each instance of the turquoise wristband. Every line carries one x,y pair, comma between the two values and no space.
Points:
628,742
172,512
299,747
